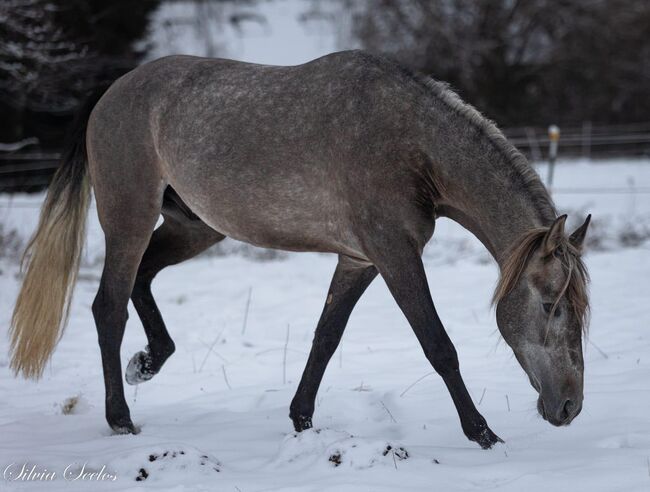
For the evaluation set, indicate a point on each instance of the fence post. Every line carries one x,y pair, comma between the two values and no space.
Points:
535,153
554,139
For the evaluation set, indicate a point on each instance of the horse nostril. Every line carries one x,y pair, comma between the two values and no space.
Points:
566,410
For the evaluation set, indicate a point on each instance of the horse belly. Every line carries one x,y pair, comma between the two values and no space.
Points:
266,213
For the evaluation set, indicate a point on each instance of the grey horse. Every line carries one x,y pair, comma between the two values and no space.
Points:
349,154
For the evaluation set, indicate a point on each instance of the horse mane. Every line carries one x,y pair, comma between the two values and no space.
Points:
522,170
575,286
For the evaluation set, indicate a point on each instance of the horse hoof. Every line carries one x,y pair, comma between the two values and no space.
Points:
125,428
487,439
140,369
302,423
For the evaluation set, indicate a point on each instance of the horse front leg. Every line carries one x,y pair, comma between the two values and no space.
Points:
402,269
349,282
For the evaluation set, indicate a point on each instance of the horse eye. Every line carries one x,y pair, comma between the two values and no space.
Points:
548,306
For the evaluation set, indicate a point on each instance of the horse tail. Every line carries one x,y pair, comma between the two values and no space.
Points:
51,260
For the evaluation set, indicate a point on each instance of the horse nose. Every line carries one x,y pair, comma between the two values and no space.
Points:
566,412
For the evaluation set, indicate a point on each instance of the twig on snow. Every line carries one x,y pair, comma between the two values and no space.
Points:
284,358
211,349
225,376
602,352
388,412
414,383
248,305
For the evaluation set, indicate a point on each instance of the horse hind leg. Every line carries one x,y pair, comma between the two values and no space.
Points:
179,238
128,217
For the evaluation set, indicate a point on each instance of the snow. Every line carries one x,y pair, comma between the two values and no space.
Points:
286,32
216,417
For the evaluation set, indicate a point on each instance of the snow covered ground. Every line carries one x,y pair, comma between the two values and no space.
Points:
216,417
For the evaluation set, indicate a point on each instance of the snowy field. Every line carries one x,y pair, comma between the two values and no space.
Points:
216,417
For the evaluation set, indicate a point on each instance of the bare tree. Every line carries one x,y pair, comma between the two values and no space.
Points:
32,50
53,53
524,61
31,44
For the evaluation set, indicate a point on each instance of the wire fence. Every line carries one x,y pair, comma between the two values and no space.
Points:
587,141
26,171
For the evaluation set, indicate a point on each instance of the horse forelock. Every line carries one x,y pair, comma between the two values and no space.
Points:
575,286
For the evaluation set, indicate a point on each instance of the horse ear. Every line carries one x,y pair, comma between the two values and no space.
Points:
554,236
577,238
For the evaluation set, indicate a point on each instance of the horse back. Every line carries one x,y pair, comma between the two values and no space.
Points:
286,157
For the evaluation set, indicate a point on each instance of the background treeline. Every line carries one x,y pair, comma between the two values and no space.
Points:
525,62
521,62
52,53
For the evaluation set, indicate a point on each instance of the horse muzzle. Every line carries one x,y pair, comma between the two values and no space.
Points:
559,411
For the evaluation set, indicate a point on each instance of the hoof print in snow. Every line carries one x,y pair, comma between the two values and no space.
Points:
142,475
171,454
400,453
337,449
74,405
360,454
182,460
205,461
336,458
165,465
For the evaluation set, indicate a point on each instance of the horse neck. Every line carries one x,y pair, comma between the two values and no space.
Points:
490,190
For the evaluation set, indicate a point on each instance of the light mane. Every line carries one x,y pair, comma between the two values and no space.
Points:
577,278
575,286
529,179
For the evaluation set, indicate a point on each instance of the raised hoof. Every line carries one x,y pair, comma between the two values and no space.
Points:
140,368
302,423
486,438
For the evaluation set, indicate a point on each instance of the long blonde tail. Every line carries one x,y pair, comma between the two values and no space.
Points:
51,262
